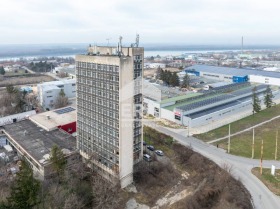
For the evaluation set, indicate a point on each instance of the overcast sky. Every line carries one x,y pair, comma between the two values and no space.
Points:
157,21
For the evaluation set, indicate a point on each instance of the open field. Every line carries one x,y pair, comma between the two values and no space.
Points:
25,79
272,182
242,124
241,144
19,72
152,71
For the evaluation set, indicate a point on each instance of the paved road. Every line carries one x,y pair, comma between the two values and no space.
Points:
262,197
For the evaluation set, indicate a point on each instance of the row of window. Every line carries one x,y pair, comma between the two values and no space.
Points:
99,76
96,66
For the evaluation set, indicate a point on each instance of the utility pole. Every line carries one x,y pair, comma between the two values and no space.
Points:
228,138
276,145
261,156
253,144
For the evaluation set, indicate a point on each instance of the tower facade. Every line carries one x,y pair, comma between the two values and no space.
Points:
109,110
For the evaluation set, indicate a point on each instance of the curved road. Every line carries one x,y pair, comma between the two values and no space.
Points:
262,197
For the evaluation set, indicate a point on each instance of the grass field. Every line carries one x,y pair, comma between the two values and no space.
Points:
19,72
272,182
242,124
242,144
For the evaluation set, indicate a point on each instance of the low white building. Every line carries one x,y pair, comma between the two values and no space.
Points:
265,79
49,91
155,65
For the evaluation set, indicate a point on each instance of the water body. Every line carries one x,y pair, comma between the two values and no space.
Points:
15,52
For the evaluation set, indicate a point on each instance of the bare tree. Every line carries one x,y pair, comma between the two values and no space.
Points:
61,100
73,202
105,194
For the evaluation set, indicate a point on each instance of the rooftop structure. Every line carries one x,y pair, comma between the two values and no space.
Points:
52,120
35,144
232,71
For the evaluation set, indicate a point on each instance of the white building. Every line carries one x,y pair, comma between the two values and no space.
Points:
49,91
155,65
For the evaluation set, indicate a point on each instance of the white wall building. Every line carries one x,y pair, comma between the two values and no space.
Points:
49,91
265,80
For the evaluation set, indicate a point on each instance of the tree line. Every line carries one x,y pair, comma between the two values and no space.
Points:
40,66
172,79
256,102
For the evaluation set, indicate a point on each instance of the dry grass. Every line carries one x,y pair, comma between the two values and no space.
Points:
152,71
22,80
270,181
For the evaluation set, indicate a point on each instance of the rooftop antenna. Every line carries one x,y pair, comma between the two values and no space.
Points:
108,41
137,40
136,44
120,46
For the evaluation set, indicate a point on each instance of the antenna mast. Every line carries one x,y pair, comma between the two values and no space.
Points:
242,45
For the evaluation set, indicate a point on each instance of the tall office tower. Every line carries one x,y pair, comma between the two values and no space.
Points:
109,110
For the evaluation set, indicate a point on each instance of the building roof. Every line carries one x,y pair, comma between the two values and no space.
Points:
36,141
186,96
232,71
60,82
52,119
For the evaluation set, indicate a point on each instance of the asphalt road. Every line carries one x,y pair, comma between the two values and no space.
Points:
262,197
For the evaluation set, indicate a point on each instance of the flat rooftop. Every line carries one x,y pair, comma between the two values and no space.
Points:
186,96
36,141
60,82
232,71
52,119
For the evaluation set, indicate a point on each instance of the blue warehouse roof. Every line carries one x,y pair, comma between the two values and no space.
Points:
232,71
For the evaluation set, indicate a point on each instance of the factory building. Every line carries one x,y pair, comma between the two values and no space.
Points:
235,75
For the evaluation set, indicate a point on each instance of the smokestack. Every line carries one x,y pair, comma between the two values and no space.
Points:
242,45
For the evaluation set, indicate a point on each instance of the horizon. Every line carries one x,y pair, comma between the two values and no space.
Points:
190,22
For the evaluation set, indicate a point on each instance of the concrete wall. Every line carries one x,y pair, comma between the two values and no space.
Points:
18,117
167,114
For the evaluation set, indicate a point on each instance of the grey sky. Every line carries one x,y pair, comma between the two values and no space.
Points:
160,21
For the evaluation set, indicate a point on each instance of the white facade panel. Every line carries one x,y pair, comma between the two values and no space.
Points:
264,80
167,114
49,91
152,107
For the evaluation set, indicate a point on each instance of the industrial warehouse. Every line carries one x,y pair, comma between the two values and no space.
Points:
232,98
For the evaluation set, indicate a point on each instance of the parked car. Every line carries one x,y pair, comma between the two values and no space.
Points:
144,143
159,152
147,157
150,147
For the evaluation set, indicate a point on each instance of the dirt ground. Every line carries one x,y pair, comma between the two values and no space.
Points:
22,80
152,71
